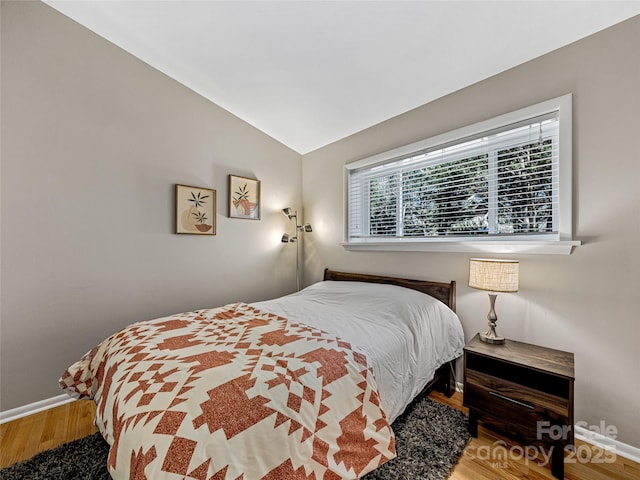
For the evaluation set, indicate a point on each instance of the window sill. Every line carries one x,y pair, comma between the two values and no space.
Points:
556,247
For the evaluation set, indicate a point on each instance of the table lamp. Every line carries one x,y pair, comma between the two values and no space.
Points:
494,276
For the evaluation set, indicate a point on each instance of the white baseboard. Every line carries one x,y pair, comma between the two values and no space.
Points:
608,444
35,407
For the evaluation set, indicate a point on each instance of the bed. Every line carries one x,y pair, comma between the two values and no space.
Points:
303,386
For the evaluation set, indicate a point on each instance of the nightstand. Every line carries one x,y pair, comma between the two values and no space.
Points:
523,391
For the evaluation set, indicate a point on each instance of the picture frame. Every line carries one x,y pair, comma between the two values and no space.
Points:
244,197
195,210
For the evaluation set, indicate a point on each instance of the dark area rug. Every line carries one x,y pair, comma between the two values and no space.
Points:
430,437
83,459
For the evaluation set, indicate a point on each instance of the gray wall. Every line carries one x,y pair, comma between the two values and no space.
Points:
93,141
584,303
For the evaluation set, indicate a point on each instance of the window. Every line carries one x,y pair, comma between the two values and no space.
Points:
504,180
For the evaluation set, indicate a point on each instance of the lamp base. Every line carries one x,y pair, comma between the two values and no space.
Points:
491,337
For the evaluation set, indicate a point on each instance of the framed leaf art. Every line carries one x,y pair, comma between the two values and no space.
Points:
244,198
195,210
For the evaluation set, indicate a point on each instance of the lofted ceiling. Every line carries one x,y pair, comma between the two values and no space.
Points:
309,73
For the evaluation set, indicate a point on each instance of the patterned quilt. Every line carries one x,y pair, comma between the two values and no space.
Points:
233,393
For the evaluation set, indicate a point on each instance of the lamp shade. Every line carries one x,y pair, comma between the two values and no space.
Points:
288,212
494,275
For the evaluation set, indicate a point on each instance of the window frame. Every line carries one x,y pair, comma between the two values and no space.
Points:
560,243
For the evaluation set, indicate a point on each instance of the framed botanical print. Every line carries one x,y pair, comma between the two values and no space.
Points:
195,210
244,198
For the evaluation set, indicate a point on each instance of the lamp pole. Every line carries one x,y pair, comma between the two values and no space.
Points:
287,239
297,254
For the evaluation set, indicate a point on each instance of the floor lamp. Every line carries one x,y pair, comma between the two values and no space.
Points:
286,238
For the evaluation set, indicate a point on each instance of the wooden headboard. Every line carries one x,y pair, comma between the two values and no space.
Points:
445,292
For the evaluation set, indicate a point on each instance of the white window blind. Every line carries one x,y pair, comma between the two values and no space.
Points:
499,183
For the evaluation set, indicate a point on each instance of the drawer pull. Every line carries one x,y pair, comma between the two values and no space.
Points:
504,397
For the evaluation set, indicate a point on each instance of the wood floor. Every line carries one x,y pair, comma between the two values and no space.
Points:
23,438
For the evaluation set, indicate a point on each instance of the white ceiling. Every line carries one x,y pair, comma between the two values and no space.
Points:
309,73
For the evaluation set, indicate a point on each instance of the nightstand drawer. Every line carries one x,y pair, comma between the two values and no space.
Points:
514,403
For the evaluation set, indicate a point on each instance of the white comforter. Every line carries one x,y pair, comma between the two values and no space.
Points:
405,334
